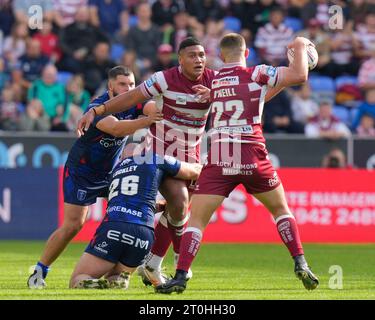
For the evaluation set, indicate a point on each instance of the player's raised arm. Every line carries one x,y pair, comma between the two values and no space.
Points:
298,70
117,104
121,128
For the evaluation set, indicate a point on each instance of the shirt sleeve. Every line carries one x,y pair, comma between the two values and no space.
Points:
266,75
170,165
155,85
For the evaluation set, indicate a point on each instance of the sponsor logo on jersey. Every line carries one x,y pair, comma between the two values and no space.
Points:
273,181
103,244
81,194
100,249
122,209
226,81
128,239
110,142
181,99
271,71
150,82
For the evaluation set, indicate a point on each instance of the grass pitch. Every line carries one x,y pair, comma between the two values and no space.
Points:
221,271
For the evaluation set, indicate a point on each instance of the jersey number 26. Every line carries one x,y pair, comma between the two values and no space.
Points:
129,186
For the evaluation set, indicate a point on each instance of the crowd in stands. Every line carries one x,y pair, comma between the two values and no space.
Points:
49,75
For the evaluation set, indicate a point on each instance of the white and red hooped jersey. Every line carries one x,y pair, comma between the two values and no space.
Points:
184,118
237,97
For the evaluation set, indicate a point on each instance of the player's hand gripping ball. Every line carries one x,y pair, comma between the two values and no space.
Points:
312,55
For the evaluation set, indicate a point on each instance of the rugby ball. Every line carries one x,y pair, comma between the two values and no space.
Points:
312,56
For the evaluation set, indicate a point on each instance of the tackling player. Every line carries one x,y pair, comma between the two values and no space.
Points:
238,95
178,134
89,162
126,233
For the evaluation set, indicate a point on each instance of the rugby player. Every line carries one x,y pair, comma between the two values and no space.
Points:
178,134
238,94
89,162
126,233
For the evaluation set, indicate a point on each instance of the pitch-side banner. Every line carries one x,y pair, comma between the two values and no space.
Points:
329,205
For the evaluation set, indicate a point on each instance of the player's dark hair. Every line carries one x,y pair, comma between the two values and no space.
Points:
188,42
278,9
232,41
119,71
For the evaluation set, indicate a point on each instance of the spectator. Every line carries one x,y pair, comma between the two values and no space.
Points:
110,16
366,127
144,38
272,39
295,8
18,85
97,67
78,40
278,116
322,44
3,75
78,101
15,45
202,10
181,29
129,60
342,52
1,42
335,159
165,58
367,107
33,62
304,108
6,18
326,125
357,11
66,11
9,110
256,14
318,9
211,41
48,42
52,95
364,41
21,9
34,118
163,12
366,75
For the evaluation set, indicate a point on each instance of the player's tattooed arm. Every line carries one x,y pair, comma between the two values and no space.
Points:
189,171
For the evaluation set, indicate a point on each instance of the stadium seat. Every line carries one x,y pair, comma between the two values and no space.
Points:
232,23
63,77
294,23
323,88
322,83
342,113
346,80
253,58
117,50
133,20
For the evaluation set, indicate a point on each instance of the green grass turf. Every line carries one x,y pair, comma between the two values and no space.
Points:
221,271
